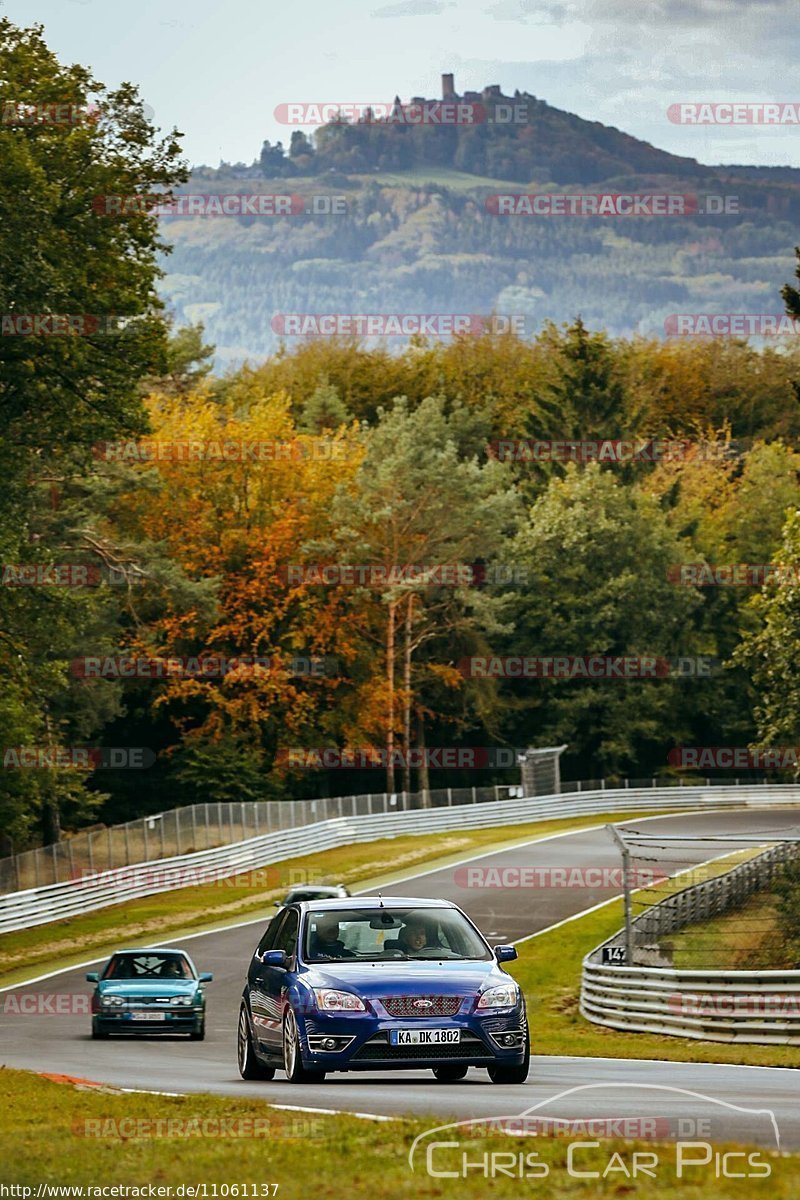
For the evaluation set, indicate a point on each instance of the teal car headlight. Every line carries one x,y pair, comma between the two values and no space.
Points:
184,1001
112,1001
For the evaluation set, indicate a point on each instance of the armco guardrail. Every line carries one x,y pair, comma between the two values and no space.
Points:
221,823
715,1005
36,906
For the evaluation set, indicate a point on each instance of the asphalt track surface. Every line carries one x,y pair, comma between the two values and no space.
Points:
706,1101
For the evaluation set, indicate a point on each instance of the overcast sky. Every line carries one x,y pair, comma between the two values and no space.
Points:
218,70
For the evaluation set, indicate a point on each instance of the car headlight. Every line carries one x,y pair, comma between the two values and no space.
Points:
329,1000
112,1001
505,995
184,1000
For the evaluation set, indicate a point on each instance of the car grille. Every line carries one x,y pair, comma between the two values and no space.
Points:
431,1006
377,1049
140,1001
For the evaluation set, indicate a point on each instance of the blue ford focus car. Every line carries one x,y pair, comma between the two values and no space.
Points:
149,991
372,984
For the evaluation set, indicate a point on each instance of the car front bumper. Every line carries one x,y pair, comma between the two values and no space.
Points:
131,1022
362,1041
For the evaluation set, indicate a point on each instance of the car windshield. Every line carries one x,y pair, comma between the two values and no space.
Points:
383,934
148,966
308,894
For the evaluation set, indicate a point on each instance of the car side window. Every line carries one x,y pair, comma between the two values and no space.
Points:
287,934
271,932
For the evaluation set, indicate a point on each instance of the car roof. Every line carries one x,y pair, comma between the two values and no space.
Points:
333,888
152,950
354,903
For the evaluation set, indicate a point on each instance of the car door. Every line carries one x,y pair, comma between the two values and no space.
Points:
263,1018
273,982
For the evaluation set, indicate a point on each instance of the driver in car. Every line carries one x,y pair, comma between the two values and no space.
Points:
326,942
414,937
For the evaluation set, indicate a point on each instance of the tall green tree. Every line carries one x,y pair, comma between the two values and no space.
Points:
82,324
418,501
597,555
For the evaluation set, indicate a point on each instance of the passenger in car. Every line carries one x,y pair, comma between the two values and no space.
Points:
325,941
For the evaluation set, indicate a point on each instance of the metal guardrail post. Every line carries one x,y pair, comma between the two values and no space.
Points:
626,885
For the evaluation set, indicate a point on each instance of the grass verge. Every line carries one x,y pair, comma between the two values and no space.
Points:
750,939
191,909
54,1134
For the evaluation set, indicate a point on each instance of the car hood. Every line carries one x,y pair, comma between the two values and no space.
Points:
399,979
148,987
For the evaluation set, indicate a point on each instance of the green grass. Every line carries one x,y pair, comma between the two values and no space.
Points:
55,1134
748,939
189,910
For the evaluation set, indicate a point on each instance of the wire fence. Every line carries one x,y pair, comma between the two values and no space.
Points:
204,826
715,915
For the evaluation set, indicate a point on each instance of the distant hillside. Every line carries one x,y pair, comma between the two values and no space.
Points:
486,133
417,230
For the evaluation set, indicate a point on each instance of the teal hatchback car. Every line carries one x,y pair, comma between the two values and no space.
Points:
149,991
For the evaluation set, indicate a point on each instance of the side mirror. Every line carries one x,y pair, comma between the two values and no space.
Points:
505,953
278,903
275,958
205,977
92,976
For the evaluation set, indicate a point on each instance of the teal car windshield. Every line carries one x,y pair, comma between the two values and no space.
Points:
148,965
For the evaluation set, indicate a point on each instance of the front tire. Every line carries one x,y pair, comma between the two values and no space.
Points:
97,1032
198,1035
451,1073
292,1055
500,1073
249,1066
